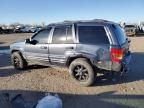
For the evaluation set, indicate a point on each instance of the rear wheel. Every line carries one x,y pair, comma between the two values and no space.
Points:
18,61
82,72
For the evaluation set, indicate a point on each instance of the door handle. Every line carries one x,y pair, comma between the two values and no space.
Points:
43,47
70,47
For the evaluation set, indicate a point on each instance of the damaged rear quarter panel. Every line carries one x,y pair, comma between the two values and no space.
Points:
98,54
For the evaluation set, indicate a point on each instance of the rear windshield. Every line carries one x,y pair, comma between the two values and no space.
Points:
92,35
120,34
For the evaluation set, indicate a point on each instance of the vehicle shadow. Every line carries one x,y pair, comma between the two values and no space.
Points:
21,98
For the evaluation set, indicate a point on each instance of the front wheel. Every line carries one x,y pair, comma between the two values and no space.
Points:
18,61
82,72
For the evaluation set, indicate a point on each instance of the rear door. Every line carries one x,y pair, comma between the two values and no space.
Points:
62,44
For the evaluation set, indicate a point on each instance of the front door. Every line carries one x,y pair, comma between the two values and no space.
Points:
38,53
61,44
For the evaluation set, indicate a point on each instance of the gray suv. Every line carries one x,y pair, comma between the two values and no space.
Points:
85,47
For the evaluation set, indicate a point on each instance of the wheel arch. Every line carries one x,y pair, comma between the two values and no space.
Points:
16,51
70,59
19,51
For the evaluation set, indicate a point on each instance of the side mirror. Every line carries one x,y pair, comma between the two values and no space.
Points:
34,42
31,41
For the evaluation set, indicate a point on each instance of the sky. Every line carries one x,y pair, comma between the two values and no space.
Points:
48,11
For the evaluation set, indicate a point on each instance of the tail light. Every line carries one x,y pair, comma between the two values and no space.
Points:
116,54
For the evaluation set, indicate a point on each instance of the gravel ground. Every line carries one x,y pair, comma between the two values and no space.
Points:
112,91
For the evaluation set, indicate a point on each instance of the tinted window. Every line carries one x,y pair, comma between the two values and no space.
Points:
92,35
120,34
42,36
62,35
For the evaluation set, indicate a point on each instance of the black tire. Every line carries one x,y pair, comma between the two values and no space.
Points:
18,61
83,75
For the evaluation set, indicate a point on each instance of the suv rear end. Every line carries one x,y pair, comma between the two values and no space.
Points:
119,51
105,44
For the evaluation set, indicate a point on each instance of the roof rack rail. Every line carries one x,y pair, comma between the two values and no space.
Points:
101,20
79,21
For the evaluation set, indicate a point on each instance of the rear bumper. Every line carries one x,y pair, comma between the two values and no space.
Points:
123,65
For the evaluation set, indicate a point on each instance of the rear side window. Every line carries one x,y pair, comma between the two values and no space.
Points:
62,34
92,35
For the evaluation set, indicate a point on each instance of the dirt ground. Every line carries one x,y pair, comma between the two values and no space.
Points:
107,92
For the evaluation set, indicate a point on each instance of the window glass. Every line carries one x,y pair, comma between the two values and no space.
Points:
92,35
120,34
42,36
62,34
